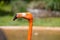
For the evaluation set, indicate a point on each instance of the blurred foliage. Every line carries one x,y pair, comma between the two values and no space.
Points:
19,6
5,8
46,4
9,6
22,5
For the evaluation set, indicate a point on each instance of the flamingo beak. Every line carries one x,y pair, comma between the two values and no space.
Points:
14,18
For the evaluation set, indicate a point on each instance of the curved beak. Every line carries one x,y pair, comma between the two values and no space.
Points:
14,18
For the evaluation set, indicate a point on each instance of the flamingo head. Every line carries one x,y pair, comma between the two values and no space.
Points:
27,16
19,15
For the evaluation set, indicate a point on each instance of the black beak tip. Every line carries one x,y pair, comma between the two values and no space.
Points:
15,18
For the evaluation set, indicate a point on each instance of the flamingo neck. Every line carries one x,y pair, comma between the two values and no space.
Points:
30,30
30,23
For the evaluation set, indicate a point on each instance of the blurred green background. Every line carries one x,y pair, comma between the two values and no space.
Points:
9,8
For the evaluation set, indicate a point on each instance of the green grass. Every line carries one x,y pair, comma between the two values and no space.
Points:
8,21
47,22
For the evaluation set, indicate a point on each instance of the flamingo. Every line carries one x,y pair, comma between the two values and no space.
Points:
29,17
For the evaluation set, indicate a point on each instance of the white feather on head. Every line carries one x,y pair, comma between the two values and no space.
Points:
23,14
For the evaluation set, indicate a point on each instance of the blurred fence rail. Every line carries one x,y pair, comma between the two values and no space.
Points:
41,34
